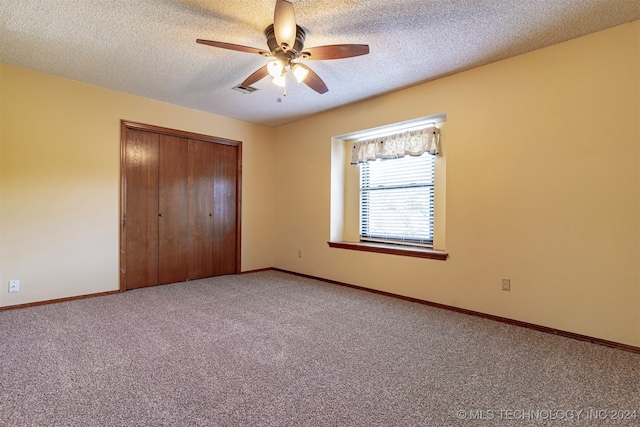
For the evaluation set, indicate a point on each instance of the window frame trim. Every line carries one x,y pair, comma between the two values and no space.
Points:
392,249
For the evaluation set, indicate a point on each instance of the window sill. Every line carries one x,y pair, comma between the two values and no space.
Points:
382,248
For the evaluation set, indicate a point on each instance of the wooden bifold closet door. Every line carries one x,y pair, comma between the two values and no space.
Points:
180,195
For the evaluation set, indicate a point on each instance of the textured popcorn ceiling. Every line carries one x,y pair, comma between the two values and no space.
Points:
148,48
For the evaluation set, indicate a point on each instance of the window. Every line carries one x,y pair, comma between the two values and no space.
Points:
388,190
397,200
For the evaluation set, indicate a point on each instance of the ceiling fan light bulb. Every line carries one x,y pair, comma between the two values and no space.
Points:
279,80
300,72
275,68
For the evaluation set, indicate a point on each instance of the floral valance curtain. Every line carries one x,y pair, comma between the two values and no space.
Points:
413,143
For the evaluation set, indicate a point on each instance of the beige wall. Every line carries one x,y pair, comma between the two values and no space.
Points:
542,187
59,182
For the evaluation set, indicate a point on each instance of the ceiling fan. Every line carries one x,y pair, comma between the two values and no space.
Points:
285,41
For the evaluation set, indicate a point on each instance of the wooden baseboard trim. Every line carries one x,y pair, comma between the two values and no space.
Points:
566,334
57,300
256,271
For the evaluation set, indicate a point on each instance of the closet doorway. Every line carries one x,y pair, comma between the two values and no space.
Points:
179,206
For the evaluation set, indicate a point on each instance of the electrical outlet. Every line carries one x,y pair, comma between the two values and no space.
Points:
506,284
299,253
14,285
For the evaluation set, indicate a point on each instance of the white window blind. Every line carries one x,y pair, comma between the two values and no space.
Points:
396,200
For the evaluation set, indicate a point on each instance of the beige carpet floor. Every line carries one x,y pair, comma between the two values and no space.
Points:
273,349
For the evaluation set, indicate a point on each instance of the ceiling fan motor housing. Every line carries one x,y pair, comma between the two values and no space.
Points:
291,52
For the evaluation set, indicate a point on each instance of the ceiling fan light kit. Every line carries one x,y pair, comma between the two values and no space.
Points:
275,68
285,41
280,81
299,72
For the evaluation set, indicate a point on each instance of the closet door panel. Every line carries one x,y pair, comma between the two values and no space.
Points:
200,209
179,205
173,215
225,206
140,213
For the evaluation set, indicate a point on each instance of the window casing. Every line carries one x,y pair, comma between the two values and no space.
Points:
397,200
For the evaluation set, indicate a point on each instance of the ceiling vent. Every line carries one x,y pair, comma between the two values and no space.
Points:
245,89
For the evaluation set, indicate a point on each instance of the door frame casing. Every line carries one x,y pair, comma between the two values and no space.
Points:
125,125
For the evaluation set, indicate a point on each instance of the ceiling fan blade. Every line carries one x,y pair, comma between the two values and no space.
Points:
259,74
232,46
314,81
284,24
335,51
